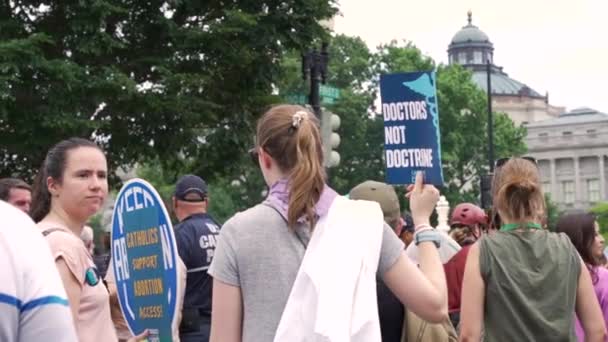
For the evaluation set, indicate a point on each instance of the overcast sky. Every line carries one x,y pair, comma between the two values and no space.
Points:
559,46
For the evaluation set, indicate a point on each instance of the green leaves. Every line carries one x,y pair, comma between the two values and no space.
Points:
151,79
462,110
552,211
601,212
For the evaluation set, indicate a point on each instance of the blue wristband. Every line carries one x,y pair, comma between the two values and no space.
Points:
429,235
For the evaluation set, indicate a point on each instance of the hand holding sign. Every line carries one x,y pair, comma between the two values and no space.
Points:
143,337
423,199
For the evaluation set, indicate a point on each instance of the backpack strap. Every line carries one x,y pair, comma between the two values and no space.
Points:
50,230
304,244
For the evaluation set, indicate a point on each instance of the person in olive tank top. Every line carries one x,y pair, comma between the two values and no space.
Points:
524,283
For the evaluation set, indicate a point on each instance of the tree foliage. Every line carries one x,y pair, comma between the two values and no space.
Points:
464,136
462,110
355,70
601,212
228,193
146,78
552,211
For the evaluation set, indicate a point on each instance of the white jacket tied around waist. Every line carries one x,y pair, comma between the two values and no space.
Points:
333,298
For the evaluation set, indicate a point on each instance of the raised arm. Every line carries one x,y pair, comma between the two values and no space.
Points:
423,290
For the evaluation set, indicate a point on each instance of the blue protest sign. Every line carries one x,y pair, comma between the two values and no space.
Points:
411,127
144,260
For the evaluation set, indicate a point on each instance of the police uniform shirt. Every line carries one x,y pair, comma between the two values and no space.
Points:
196,238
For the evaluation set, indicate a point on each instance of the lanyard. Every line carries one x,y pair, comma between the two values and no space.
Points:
512,226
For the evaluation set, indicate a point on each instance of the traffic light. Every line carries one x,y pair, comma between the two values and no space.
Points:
330,123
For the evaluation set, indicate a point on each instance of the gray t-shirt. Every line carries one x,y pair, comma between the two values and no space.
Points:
257,252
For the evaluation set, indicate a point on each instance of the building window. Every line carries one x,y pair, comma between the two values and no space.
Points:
593,190
567,133
462,57
543,135
477,56
547,187
568,191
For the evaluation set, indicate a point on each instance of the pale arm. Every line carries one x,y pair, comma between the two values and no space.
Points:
72,288
423,290
588,309
473,298
226,313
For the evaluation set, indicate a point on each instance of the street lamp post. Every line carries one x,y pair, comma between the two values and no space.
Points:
490,119
314,66
486,180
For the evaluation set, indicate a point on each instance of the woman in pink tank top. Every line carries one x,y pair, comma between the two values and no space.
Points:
70,187
584,232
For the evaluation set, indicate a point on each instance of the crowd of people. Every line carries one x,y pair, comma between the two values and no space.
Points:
307,264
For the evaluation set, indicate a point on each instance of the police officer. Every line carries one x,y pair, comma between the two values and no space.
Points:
196,237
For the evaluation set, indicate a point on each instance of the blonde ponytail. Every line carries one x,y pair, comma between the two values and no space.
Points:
307,178
517,192
290,134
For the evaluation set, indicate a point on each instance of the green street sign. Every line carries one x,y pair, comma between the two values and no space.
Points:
328,95
329,92
297,99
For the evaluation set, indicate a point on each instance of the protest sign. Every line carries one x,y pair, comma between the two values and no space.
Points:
144,260
411,127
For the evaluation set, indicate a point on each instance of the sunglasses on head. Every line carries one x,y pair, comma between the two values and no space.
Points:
502,161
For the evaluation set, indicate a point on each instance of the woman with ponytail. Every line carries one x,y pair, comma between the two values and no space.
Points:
70,187
272,259
524,283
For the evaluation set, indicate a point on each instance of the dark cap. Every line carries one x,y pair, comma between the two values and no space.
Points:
191,188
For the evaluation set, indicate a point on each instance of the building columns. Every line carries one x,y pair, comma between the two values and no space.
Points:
602,178
577,182
554,190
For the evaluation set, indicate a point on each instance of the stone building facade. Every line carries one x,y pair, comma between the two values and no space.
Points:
572,152
571,147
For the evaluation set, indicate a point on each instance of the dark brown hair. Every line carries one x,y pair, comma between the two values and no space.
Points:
298,152
517,192
8,184
53,166
580,228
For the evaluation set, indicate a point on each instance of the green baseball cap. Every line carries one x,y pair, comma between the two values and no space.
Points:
381,193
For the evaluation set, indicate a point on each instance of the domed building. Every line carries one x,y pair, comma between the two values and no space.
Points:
472,48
